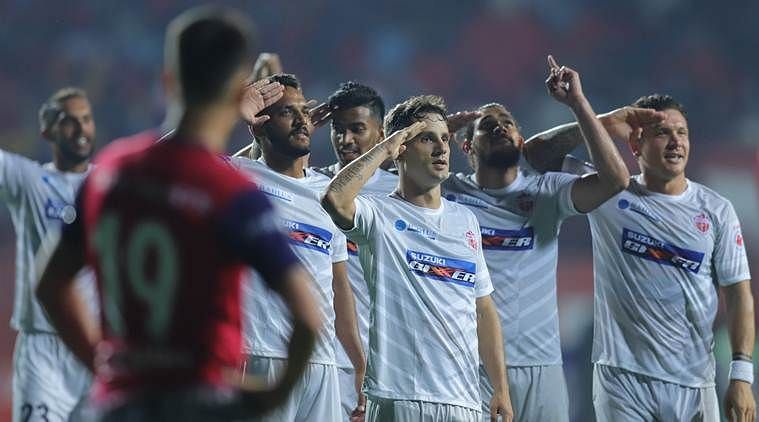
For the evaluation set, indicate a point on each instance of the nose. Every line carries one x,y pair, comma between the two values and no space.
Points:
345,138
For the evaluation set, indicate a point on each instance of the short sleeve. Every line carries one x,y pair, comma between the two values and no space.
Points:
339,248
364,220
248,228
484,284
559,186
729,258
15,173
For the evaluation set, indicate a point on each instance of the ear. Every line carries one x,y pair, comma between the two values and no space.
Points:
466,146
520,143
170,84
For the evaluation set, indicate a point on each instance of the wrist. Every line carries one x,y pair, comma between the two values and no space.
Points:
579,103
741,370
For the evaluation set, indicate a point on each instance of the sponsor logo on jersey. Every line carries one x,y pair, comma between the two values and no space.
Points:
276,192
60,211
467,200
352,248
308,236
402,226
449,270
507,240
640,209
647,247
701,222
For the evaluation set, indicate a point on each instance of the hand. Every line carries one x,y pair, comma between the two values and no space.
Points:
500,404
395,143
739,402
266,65
625,122
460,120
320,115
358,414
258,96
563,83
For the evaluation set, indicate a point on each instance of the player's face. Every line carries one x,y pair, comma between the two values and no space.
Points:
289,128
664,148
496,141
354,131
74,133
425,160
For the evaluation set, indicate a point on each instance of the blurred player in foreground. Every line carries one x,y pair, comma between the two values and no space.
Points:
661,249
431,309
48,381
168,228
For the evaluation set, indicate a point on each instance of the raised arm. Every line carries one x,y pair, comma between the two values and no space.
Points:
346,328
490,343
739,401
594,189
345,186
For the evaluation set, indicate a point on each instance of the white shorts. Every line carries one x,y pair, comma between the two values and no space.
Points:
620,395
348,396
538,393
316,397
389,410
48,381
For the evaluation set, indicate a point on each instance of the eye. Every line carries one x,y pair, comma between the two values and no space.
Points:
508,124
286,112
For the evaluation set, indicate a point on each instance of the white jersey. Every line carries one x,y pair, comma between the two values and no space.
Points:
424,269
520,232
40,199
658,260
382,183
318,244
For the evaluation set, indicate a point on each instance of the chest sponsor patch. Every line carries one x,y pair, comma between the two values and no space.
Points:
352,248
507,240
308,236
647,247
439,268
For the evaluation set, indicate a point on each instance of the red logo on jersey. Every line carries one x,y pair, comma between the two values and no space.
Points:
525,202
739,240
471,239
702,222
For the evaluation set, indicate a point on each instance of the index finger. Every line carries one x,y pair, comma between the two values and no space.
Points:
552,63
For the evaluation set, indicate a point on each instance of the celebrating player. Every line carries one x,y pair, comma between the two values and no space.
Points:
285,142
48,381
431,309
168,228
660,249
520,213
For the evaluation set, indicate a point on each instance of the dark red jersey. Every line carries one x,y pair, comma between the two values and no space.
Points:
168,228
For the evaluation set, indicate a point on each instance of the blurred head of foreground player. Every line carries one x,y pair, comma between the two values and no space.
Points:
662,149
66,122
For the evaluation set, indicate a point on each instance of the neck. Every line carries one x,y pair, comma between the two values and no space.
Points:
495,178
673,186
209,129
284,164
66,166
426,197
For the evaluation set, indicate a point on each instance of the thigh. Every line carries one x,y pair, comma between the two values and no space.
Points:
441,412
348,397
688,404
620,397
270,370
321,396
545,396
48,382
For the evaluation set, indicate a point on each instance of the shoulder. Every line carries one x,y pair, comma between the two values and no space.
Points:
328,171
711,201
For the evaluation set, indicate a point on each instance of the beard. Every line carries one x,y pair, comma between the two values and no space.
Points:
284,147
501,158
72,155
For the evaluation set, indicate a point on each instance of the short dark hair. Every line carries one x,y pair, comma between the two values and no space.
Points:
205,46
659,102
52,108
353,94
413,110
285,79
470,127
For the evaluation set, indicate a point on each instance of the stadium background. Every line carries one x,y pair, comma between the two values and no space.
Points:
470,52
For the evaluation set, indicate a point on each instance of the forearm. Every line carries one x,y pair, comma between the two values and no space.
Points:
740,318
490,342
346,325
345,186
612,170
546,150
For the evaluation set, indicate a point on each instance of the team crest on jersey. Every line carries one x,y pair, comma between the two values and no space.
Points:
467,200
649,248
60,211
352,248
701,222
402,226
471,240
525,202
308,236
507,240
439,268
739,238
